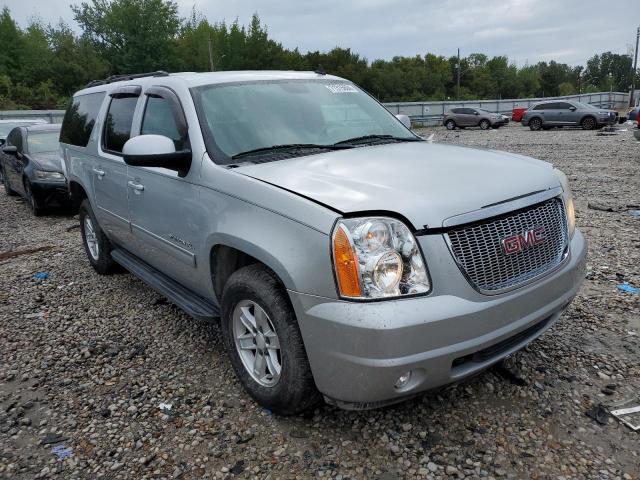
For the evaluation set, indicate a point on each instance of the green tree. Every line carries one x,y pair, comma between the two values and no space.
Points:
132,35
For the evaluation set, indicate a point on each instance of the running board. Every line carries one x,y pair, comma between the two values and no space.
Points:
192,303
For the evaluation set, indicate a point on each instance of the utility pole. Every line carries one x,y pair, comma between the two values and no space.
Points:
459,66
210,54
634,71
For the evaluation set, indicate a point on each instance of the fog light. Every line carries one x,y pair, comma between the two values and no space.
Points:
403,380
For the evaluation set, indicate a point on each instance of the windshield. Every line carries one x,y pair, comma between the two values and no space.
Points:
40,142
5,128
243,117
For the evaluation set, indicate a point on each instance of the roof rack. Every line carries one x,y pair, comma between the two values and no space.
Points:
121,78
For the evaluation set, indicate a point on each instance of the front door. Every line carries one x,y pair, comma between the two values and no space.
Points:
110,171
163,203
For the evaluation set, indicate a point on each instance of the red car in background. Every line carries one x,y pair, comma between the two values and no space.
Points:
516,113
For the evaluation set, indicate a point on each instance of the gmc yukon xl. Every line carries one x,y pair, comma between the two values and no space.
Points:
346,258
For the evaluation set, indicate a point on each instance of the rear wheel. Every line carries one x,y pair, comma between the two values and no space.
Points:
484,124
535,124
588,123
35,204
450,124
5,183
96,244
264,343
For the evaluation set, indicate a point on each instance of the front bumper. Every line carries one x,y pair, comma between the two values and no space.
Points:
51,192
357,350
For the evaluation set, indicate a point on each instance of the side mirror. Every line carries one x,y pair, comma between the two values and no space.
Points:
156,151
476,113
573,109
406,121
10,149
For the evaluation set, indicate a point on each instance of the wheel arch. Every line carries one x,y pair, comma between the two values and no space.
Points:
77,193
227,254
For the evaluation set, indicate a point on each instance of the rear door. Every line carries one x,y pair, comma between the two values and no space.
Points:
110,171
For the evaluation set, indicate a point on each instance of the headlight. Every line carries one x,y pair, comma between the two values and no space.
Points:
43,175
567,198
377,257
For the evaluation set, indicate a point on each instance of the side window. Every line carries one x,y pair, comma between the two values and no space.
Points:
563,106
15,138
158,119
117,128
80,118
542,106
469,111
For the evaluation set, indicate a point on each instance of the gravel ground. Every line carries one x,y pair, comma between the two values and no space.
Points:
85,362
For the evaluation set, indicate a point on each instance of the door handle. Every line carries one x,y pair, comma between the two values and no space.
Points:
98,172
136,186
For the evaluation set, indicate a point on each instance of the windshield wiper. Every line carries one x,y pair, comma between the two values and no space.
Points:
289,148
366,138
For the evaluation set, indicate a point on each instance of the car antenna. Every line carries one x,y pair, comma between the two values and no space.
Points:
320,70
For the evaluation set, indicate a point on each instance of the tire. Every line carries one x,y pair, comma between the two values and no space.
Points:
588,123
253,297
35,204
484,124
535,124
100,258
5,182
450,125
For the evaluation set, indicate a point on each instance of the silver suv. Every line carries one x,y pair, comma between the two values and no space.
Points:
346,258
546,115
462,117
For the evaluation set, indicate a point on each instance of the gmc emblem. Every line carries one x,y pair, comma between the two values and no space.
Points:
522,241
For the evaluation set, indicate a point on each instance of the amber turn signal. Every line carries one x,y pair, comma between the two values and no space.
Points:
346,265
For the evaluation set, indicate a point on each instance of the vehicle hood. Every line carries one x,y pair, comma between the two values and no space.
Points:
424,182
49,161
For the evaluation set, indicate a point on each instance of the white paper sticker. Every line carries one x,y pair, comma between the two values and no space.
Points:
342,88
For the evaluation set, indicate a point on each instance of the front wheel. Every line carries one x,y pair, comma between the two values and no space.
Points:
35,204
5,182
484,124
264,343
588,123
535,124
450,124
96,245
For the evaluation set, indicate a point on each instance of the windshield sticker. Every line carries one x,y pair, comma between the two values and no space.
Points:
341,88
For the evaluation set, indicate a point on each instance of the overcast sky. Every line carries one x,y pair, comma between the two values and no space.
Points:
567,31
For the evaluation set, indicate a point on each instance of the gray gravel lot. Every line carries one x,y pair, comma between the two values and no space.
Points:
86,360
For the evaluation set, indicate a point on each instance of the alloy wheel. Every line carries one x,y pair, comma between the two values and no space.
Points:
257,343
91,238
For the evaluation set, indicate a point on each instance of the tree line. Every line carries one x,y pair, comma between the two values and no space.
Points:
41,65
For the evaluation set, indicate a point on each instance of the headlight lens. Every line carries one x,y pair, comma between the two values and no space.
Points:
377,257
43,175
567,198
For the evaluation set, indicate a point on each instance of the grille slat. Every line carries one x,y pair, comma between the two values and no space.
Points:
479,252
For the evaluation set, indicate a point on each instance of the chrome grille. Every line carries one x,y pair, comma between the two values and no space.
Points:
479,252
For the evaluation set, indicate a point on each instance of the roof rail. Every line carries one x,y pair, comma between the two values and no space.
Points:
121,78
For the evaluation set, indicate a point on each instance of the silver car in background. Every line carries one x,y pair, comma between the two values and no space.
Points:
546,115
345,257
463,117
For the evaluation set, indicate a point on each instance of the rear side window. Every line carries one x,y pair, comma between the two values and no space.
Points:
80,118
117,127
159,120
456,110
543,106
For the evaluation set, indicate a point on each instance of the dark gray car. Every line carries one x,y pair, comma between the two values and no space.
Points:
462,117
546,115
